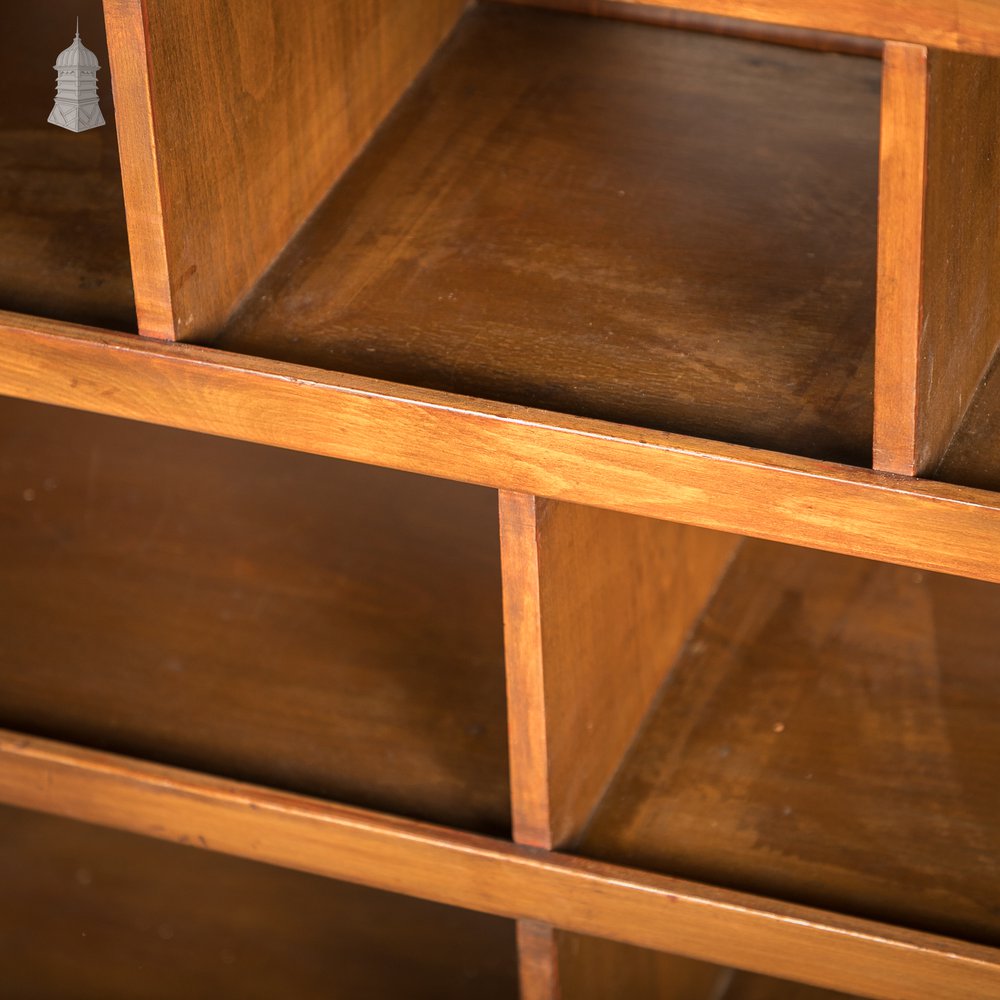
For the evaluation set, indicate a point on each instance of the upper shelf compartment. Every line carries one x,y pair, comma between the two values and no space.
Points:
63,243
660,228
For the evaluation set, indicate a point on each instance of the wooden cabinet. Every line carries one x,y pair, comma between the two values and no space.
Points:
513,490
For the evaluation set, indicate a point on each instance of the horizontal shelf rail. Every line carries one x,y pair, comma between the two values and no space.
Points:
492,876
928,525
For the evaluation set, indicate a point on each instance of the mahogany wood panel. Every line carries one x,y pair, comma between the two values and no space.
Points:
96,914
597,605
828,737
939,256
63,242
665,229
725,487
962,25
236,118
315,625
495,876
824,41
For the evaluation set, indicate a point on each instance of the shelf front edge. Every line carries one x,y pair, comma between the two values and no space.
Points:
928,525
492,876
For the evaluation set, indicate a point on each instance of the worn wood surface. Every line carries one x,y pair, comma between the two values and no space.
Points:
761,31
96,914
664,229
939,258
962,25
597,605
725,487
63,243
495,876
314,625
828,737
237,119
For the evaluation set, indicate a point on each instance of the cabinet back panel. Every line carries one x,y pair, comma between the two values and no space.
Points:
314,625
63,242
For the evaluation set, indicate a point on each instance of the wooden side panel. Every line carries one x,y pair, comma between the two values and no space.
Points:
939,250
597,605
234,119
537,961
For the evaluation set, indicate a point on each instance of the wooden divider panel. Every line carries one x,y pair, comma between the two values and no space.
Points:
234,118
939,250
596,607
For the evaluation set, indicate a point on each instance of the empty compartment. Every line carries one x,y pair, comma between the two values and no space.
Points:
95,913
655,227
269,616
63,242
828,737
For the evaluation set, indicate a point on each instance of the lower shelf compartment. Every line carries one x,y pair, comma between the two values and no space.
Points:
292,621
63,241
95,913
827,737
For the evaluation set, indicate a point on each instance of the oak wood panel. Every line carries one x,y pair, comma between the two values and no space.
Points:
63,242
250,112
665,229
939,258
829,736
495,876
597,605
319,626
778,34
930,525
961,25
96,914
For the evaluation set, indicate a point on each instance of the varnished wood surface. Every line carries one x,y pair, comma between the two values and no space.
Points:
974,454
962,25
916,522
939,260
96,913
270,616
494,876
597,605
63,243
591,968
665,229
829,737
762,31
250,111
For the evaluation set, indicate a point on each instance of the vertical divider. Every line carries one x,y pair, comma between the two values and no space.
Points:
597,605
938,325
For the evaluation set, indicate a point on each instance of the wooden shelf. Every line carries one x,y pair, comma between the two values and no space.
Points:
90,912
63,245
828,737
313,625
663,229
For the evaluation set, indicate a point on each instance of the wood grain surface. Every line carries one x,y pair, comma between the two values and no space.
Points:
63,243
898,519
664,229
962,25
974,454
761,31
96,914
590,968
495,876
939,258
314,625
828,737
597,605
238,117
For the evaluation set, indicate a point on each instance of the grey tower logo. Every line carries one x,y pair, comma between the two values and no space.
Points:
76,106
